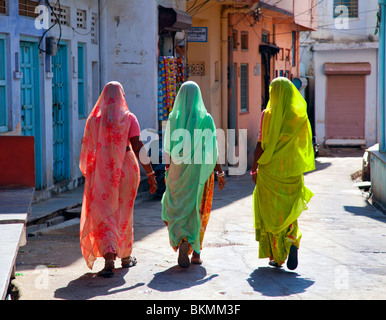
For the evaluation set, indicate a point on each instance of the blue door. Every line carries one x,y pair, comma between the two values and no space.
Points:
60,115
30,103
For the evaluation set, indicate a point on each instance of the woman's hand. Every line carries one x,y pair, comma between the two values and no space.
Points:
221,182
254,175
152,183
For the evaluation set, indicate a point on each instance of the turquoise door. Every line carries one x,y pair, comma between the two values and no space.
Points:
30,102
60,115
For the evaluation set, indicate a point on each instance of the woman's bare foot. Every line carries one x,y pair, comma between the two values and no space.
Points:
196,258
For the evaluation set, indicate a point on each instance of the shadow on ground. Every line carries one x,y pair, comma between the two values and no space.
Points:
176,278
90,285
366,211
274,282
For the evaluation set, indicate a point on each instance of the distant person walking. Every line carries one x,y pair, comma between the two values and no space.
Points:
283,153
187,201
108,160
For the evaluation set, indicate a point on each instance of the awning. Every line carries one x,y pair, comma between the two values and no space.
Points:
173,20
347,68
269,48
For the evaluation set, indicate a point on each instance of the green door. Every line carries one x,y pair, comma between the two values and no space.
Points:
30,102
60,115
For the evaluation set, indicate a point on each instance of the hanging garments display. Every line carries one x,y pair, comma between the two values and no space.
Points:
170,79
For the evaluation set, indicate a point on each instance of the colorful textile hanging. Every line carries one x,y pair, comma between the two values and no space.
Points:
180,73
170,78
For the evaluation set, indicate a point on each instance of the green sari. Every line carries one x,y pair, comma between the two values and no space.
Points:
280,194
190,139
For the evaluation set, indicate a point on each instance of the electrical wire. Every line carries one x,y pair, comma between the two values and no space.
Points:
196,9
56,22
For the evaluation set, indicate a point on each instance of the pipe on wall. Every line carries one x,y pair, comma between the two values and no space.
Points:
381,80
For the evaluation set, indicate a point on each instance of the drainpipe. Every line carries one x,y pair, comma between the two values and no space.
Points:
224,67
102,11
381,79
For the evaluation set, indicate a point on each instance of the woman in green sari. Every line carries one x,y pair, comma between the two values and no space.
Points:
283,153
190,144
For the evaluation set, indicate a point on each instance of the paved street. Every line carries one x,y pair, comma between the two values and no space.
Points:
342,253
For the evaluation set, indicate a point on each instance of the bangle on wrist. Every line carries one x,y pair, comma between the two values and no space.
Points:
253,172
150,173
220,174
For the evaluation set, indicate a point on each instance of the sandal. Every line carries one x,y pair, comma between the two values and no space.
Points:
107,271
128,262
292,261
183,257
274,264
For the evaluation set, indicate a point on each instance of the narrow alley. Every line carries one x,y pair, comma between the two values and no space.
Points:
342,251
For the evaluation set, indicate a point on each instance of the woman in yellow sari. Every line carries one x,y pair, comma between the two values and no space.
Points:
283,153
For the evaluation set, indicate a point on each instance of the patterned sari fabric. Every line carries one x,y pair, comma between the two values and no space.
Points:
112,178
280,194
205,208
190,139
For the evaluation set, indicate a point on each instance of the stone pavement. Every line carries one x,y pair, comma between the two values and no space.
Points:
342,253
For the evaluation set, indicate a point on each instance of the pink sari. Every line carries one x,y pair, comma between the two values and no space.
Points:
112,178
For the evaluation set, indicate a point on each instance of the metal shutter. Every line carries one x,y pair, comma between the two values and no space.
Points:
345,107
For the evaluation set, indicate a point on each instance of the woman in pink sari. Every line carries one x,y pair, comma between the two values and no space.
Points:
108,160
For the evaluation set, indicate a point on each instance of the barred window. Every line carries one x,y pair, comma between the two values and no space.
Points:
27,8
351,5
3,6
244,87
81,19
94,28
62,13
244,40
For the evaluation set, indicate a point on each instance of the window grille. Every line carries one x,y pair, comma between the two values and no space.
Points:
352,7
94,28
27,8
63,15
244,40
3,6
244,87
197,68
81,19
265,37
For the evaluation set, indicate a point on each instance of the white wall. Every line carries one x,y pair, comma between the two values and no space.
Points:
130,54
19,28
346,53
330,43
361,28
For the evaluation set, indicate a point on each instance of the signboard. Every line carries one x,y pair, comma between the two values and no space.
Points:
198,34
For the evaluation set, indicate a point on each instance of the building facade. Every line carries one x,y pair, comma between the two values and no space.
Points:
49,94
246,45
55,61
341,59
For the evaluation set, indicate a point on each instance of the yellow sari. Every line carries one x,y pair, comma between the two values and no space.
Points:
280,194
